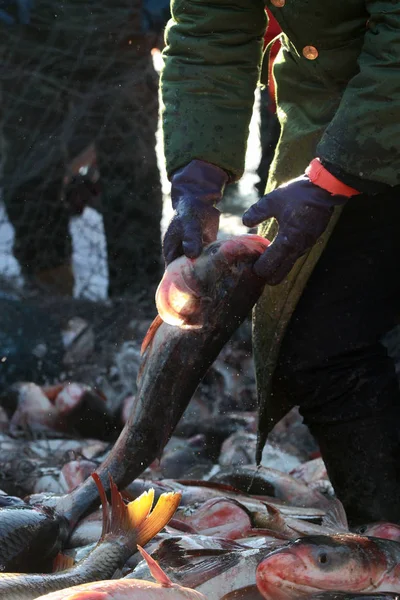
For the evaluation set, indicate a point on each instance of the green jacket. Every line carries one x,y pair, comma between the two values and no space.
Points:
338,96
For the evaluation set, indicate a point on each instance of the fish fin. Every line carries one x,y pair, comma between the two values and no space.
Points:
170,550
276,521
159,517
104,506
155,569
136,519
140,508
176,556
195,573
62,562
335,517
151,333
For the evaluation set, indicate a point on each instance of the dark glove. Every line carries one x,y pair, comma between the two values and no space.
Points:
303,211
14,12
196,188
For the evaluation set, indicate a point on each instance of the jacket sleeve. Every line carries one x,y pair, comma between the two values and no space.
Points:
363,139
212,62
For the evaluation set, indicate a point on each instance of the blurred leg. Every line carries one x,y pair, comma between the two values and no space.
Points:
31,114
132,197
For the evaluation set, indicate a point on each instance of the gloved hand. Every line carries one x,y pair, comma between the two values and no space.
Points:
20,11
303,211
196,188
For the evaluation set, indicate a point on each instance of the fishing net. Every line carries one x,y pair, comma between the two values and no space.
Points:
81,189
79,179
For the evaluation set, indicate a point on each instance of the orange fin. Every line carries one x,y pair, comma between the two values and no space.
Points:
155,569
136,521
151,333
163,511
140,508
104,506
62,562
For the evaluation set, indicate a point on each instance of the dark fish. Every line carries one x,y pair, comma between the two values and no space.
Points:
30,537
205,300
270,482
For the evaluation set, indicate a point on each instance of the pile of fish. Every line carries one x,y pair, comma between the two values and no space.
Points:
79,475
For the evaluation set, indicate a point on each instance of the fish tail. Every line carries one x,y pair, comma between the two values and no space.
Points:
136,521
104,506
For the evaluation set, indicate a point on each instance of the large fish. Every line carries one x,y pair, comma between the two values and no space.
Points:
125,528
340,563
127,589
201,303
213,566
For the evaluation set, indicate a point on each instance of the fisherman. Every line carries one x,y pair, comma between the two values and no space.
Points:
332,290
77,80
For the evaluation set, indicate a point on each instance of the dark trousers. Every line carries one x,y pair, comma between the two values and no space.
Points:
334,366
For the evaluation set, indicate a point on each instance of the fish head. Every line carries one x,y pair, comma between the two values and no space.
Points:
191,289
321,563
387,531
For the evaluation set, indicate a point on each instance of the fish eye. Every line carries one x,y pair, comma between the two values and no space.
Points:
362,529
213,249
323,558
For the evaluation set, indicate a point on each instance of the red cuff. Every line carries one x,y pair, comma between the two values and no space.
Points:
321,177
